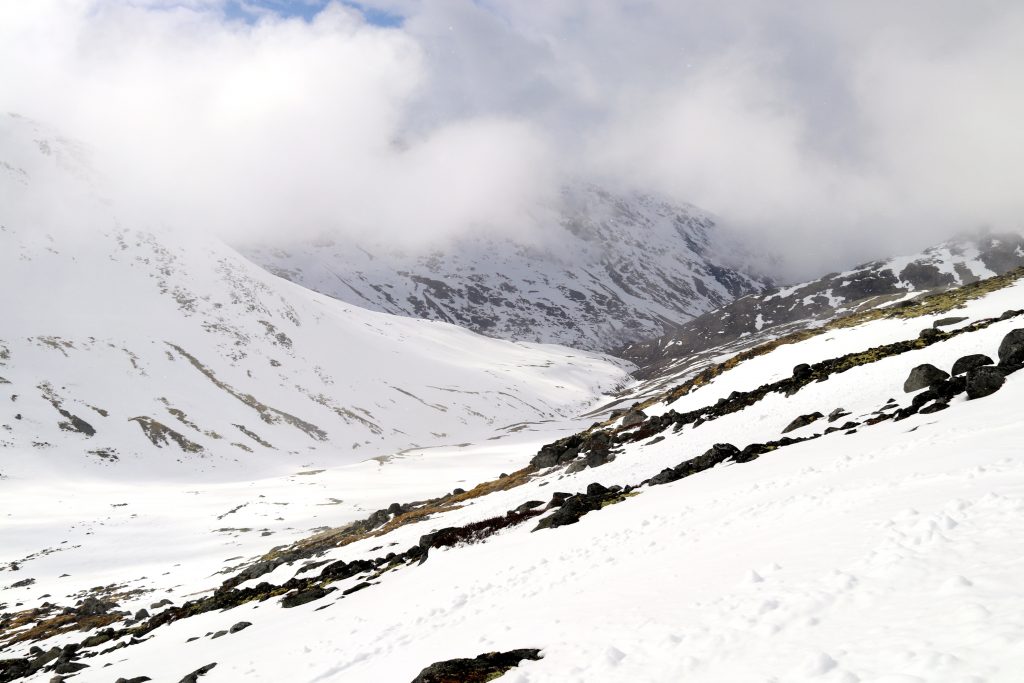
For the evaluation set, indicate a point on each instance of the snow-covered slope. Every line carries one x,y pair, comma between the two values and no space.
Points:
138,350
884,545
755,317
613,269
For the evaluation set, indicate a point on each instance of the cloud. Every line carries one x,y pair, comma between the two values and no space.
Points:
844,130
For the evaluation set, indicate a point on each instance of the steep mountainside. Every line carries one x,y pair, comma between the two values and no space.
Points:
145,351
615,269
842,504
755,317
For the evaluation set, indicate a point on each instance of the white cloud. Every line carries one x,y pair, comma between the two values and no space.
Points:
848,129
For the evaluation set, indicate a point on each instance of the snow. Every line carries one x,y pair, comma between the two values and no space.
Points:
119,323
892,554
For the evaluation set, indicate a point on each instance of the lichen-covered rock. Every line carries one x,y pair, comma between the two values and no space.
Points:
633,418
923,376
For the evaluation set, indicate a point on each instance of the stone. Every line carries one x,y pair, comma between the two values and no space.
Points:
802,421
201,671
965,363
1011,349
923,376
837,414
633,418
984,381
802,371
302,597
946,322
141,614
485,667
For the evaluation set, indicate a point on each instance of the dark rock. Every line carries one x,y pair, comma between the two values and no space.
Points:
98,638
984,381
633,418
429,540
218,634
240,626
954,386
930,334
570,512
923,376
194,676
934,408
486,667
666,476
161,603
596,489
64,666
802,371
355,588
137,679
598,458
458,491
92,607
558,498
946,322
12,669
965,363
924,398
1011,349
802,421
529,505
837,414
302,597
394,508
141,614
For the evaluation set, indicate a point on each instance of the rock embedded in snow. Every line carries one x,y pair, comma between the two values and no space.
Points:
802,421
984,381
965,363
1011,349
924,376
633,418
485,667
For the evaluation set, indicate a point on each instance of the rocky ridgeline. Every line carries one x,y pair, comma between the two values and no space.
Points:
758,316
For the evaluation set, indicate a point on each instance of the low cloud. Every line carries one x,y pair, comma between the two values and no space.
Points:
832,132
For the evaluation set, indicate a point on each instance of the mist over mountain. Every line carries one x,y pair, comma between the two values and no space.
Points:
854,130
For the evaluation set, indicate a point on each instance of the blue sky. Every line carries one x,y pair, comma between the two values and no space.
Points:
307,9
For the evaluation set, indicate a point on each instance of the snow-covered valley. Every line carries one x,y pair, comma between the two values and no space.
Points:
850,531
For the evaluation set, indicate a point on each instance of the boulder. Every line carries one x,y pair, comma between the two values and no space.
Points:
1011,350
923,376
201,671
965,363
946,322
802,371
239,626
802,421
633,418
302,597
984,381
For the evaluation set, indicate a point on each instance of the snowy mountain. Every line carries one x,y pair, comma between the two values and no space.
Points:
842,503
613,269
143,351
757,317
